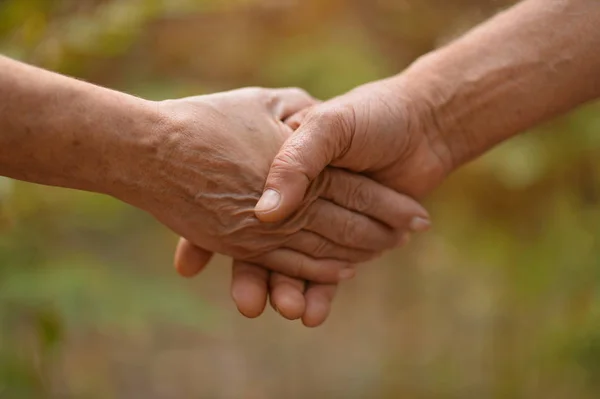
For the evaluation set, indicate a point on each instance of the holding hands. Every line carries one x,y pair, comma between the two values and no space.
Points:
199,166
218,177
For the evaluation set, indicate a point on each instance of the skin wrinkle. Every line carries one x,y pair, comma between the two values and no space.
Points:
436,140
349,128
230,194
227,211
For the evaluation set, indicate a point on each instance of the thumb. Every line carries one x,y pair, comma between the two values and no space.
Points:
321,138
190,259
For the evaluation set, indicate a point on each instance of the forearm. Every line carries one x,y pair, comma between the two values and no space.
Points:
528,64
60,131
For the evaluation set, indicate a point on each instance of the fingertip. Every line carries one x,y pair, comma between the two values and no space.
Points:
249,301
287,296
317,312
319,299
268,209
295,120
421,219
290,176
420,224
249,288
282,197
190,259
288,303
248,311
347,274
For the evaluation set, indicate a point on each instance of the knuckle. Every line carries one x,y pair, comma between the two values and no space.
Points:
329,115
311,215
270,98
290,161
256,90
253,91
337,121
336,114
298,267
297,91
353,232
286,158
321,248
360,198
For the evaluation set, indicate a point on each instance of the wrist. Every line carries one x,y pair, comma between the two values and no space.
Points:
132,151
418,99
80,136
160,152
476,98
455,110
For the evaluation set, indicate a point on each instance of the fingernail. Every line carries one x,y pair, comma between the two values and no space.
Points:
346,274
419,225
269,201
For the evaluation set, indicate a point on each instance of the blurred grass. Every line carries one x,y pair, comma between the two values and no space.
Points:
501,300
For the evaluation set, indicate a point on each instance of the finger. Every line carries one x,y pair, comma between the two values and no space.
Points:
190,259
349,228
287,296
322,138
317,246
361,194
295,120
249,288
291,101
319,298
298,265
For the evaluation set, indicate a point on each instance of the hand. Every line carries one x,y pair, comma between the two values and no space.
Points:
209,173
378,129
253,284
250,282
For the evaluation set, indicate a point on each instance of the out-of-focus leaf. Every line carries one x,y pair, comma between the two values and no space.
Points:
50,328
89,296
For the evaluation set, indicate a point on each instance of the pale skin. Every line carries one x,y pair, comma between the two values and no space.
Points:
198,165
525,66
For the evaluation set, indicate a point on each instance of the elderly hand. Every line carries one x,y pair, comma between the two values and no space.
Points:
210,172
364,131
353,222
377,129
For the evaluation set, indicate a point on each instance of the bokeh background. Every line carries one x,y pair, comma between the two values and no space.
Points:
500,300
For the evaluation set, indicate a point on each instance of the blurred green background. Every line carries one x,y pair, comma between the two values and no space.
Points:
500,300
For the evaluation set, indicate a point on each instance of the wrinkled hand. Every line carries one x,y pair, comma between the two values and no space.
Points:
374,129
353,237
212,169
377,129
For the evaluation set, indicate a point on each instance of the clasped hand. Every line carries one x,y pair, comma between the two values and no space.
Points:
213,166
